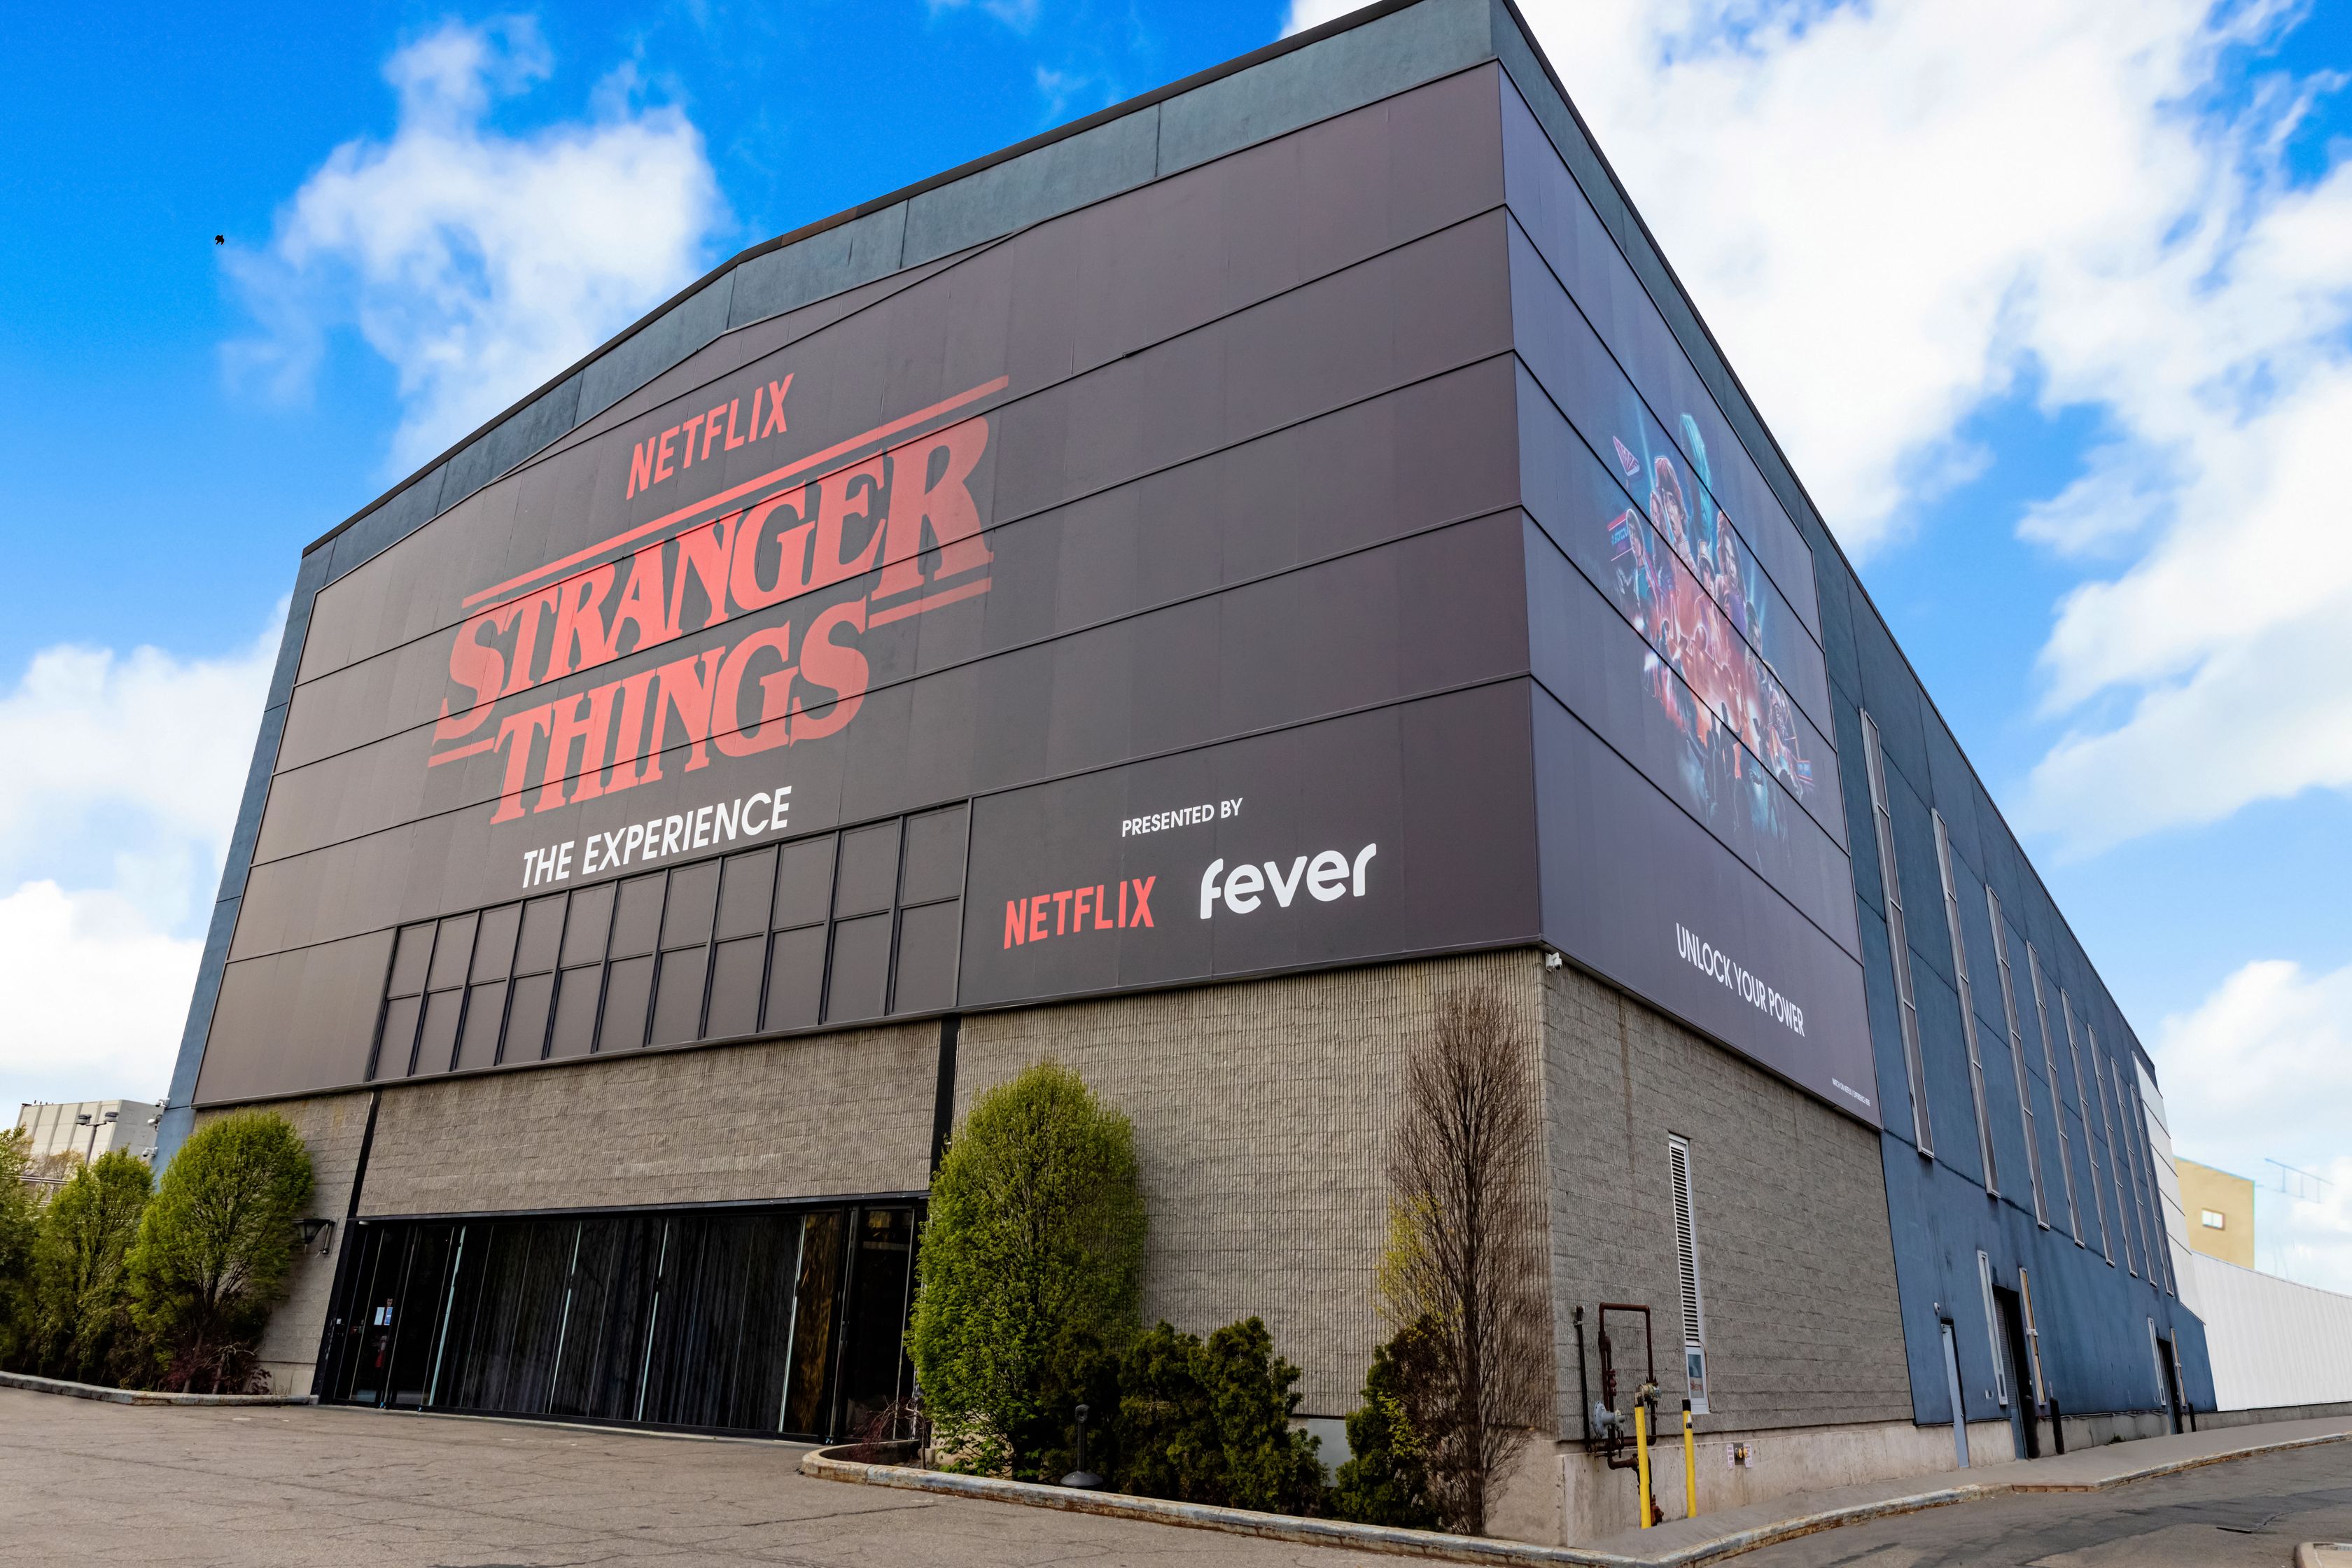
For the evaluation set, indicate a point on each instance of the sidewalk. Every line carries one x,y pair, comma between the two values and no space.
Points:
1682,1541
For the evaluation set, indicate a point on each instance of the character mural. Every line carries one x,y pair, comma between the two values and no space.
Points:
1696,602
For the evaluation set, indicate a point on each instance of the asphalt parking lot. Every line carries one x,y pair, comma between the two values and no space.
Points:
82,1482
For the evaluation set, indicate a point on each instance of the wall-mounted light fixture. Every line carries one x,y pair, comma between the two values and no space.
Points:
312,1229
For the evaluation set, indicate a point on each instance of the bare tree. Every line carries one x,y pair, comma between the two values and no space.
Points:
1462,1281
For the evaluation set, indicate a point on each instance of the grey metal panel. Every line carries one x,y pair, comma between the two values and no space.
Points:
1056,178
308,580
655,347
843,256
413,507
499,449
257,795
179,1112
1341,72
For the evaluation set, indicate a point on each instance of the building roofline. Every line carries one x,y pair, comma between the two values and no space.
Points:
1062,133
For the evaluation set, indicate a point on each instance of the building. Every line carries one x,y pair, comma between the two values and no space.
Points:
89,1128
2220,1210
1182,595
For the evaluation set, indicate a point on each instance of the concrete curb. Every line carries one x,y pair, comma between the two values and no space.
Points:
2323,1554
1201,1516
138,1396
821,1463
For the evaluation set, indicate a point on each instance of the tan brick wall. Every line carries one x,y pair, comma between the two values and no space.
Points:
1797,1266
1261,1114
333,1125
818,1116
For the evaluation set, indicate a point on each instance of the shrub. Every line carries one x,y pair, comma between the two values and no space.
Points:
82,1287
214,1250
1385,1479
19,1223
1032,1257
1211,1423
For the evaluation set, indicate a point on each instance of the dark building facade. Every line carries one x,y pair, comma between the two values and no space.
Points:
1181,597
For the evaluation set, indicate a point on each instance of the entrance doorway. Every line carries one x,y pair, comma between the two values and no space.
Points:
2169,1368
775,1322
2024,1428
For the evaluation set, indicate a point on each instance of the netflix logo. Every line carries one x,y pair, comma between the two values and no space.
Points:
850,548
659,458
1069,910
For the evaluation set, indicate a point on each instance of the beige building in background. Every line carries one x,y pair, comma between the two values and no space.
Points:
2221,1212
89,1128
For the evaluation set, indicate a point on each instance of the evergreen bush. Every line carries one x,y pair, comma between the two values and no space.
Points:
1210,1423
1385,1479
214,1250
81,1286
1030,1270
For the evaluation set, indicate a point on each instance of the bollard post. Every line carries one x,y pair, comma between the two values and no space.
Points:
1642,1456
1690,1466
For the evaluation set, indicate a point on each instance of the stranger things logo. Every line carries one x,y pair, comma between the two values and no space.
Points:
765,598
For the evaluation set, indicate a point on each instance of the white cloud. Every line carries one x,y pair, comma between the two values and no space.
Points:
478,263
96,997
115,812
2261,1069
1020,16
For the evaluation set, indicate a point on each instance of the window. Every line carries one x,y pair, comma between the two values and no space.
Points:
765,1321
2090,1150
1968,1003
2025,1119
1899,941
2125,1162
1686,1269
2057,1100
2214,1221
834,927
2114,1153
1993,1330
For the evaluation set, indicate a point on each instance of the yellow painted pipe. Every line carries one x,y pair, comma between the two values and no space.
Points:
1690,1466
1642,1456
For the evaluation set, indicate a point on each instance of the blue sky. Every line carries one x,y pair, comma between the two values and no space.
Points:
2049,302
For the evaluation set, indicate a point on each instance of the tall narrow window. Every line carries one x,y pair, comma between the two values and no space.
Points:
1686,1267
1899,941
2090,1150
1968,1002
2115,1152
2128,1152
2057,1100
2025,1119
1993,1330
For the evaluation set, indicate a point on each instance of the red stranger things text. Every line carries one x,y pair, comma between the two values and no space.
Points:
878,523
1073,910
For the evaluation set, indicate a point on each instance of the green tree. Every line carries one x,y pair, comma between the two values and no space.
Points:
19,1223
215,1246
1032,1253
1385,1479
1211,1423
82,1285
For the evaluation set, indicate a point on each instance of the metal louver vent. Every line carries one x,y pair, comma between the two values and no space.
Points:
1686,1275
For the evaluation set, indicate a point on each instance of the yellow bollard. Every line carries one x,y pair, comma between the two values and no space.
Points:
1690,1466
1642,1456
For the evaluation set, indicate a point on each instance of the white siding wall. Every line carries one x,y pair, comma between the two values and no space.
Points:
2273,1341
